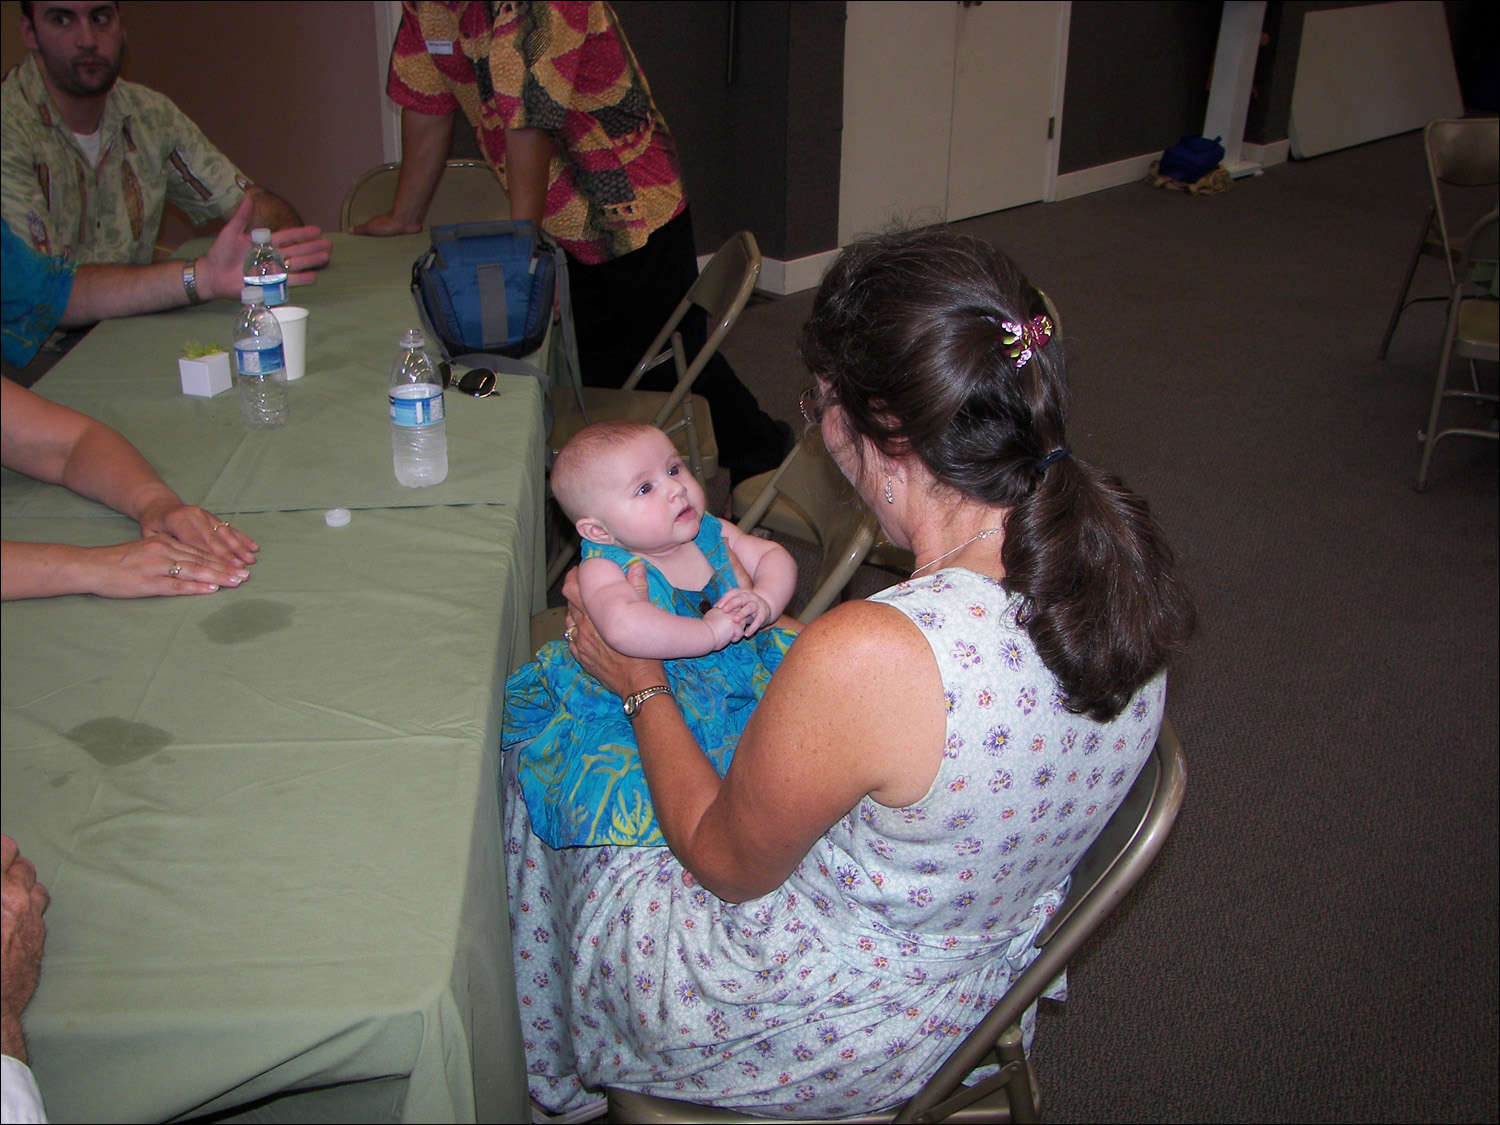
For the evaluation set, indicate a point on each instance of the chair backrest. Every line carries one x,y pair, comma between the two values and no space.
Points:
1113,864
1461,152
822,502
468,192
1465,151
722,291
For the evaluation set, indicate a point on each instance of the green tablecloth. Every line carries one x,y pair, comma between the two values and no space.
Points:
336,449
269,816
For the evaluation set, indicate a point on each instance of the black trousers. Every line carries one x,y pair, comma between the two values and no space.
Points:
620,306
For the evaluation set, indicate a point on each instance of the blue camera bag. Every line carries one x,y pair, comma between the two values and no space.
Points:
486,287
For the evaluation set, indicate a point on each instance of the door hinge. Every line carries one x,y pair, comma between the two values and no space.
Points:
1051,127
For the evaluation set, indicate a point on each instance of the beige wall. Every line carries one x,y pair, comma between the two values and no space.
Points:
307,139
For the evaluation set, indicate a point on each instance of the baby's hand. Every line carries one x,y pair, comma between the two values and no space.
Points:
748,609
725,628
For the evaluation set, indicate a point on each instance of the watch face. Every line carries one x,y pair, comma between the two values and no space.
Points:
633,702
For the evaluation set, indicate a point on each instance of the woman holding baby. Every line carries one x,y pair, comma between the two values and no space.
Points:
925,767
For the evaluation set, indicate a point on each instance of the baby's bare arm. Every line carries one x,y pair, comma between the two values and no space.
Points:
772,570
634,626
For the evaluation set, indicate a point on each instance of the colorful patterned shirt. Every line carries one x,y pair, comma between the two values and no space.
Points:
34,292
149,152
565,68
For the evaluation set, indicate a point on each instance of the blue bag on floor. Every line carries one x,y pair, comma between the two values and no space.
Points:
1190,159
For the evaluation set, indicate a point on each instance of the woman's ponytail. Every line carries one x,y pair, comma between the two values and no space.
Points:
935,345
1104,604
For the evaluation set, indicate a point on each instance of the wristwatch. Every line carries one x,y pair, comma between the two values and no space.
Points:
633,702
190,283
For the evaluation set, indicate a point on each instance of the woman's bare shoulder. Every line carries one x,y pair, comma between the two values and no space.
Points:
858,651
862,686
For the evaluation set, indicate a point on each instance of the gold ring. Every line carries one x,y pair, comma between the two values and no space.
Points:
221,523
175,571
569,633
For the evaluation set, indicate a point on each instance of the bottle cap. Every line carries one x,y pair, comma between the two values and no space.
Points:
261,235
336,517
252,295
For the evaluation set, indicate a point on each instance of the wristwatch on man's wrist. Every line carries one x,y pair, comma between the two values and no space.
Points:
190,283
632,702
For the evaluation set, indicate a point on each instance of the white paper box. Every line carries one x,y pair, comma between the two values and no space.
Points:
206,377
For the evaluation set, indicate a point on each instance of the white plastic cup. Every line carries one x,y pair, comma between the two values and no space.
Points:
293,323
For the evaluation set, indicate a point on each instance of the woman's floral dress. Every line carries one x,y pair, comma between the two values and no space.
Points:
839,992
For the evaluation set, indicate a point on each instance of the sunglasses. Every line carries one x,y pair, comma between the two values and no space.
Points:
479,382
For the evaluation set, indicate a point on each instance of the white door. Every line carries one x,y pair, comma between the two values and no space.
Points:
1005,76
946,109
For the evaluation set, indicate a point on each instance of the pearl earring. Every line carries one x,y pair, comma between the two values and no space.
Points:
890,497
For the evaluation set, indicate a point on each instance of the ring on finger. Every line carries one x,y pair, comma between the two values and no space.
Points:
174,570
569,633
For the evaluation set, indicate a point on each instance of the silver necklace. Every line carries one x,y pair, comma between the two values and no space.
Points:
982,535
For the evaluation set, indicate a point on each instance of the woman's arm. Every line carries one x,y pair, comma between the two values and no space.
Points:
856,709
141,568
632,625
61,446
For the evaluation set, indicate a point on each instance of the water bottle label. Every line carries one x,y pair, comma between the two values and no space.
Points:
414,411
262,361
272,288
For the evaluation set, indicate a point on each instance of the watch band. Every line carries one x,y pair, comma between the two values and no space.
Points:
190,283
632,703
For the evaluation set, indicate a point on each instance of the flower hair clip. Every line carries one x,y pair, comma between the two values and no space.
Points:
1023,340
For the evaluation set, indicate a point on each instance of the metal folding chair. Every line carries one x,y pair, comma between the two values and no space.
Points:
1472,332
808,498
1463,152
1104,874
468,192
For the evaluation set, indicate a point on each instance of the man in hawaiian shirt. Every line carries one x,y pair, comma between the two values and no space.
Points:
90,160
563,114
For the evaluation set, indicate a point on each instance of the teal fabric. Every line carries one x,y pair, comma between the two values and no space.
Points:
34,292
579,767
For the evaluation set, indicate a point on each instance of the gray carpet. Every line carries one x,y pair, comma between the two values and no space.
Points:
1318,941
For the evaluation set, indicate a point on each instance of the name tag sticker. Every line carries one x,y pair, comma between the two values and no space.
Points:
439,46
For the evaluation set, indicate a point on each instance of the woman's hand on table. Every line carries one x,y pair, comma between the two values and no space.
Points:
623,675
155,566
161,565
195,527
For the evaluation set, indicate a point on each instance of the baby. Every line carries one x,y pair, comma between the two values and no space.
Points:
631,496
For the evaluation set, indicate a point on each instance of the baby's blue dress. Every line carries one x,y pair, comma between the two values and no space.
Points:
577,762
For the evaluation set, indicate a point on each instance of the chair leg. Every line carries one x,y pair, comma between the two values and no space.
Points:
1429,436
1025,1106
1411,272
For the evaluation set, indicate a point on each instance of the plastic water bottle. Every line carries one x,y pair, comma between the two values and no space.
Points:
265,268
261,362
419,436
